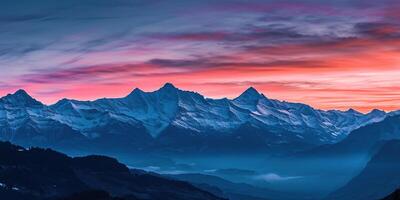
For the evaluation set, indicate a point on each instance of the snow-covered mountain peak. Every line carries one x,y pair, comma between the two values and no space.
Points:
352,111
376,112
168,86
21,97
250,94
62,103
21,92
136,91
249,99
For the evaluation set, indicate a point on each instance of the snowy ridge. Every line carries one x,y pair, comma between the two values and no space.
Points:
170,106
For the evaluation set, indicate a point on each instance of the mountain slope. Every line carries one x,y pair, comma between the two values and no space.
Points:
46,174
379,178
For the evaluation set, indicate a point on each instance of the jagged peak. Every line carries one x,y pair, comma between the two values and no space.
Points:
21,93
377,111
250,93
62,101
136,91
168,86
21,97
351,110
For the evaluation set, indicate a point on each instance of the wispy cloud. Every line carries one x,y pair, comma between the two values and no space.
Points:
273,177
317,52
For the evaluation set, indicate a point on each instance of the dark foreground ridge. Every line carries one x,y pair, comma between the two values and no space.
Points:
394,196
38,174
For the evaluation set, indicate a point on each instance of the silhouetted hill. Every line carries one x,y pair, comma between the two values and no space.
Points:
93,195
30,174
394,196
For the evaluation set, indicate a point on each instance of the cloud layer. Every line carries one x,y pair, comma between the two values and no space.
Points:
272,177
333,55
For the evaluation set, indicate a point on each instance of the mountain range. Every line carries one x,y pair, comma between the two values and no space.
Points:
171,118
